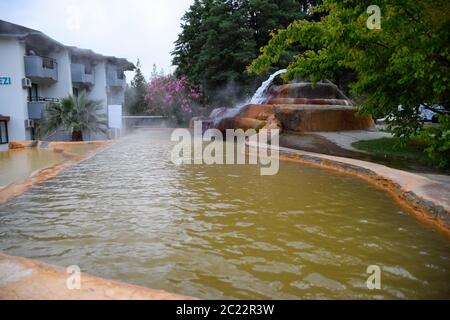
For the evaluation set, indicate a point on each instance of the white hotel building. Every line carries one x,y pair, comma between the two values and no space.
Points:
36,70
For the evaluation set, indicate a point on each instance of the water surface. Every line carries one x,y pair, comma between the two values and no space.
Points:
225,231
81,149
19,164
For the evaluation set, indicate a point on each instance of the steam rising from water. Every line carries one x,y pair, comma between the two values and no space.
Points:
302,234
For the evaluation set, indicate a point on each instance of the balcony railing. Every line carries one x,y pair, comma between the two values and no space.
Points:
41,68
42,99
115,79
81,75
37,105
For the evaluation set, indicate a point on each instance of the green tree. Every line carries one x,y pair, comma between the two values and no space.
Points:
438,140
76,114
214,47
266,16
135,93
220,38
405,63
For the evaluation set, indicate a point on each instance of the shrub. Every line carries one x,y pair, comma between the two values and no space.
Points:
438,140
172,97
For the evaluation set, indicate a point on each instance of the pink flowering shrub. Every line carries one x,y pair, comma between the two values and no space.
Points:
172,97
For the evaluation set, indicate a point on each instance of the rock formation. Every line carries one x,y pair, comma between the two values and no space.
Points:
299,107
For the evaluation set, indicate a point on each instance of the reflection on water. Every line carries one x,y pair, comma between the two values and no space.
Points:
225,231
19,164
81,149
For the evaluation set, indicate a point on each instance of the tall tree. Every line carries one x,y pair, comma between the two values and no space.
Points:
400,67
134,95
406,62
220,38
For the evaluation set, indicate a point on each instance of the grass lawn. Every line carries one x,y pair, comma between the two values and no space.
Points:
389,148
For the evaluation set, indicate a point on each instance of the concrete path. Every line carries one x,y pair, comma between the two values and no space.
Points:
316,143
344,139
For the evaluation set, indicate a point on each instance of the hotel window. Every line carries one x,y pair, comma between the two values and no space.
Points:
4,132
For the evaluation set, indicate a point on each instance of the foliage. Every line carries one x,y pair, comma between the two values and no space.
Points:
438,139
76,114
406,63
134,94
172,97
220,38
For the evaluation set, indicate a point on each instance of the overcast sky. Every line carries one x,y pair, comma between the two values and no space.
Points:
132,29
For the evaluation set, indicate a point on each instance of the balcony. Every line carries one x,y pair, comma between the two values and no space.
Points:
37,105
81,75
115,78
40,69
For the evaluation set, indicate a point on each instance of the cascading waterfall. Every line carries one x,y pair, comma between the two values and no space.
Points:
287,107
259,97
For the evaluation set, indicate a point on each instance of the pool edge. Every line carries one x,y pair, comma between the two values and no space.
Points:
15,189
408,189
26,279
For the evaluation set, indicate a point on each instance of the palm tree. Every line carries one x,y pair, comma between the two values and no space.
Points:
77,114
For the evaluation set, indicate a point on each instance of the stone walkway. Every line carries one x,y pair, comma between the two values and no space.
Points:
344,139
316,143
